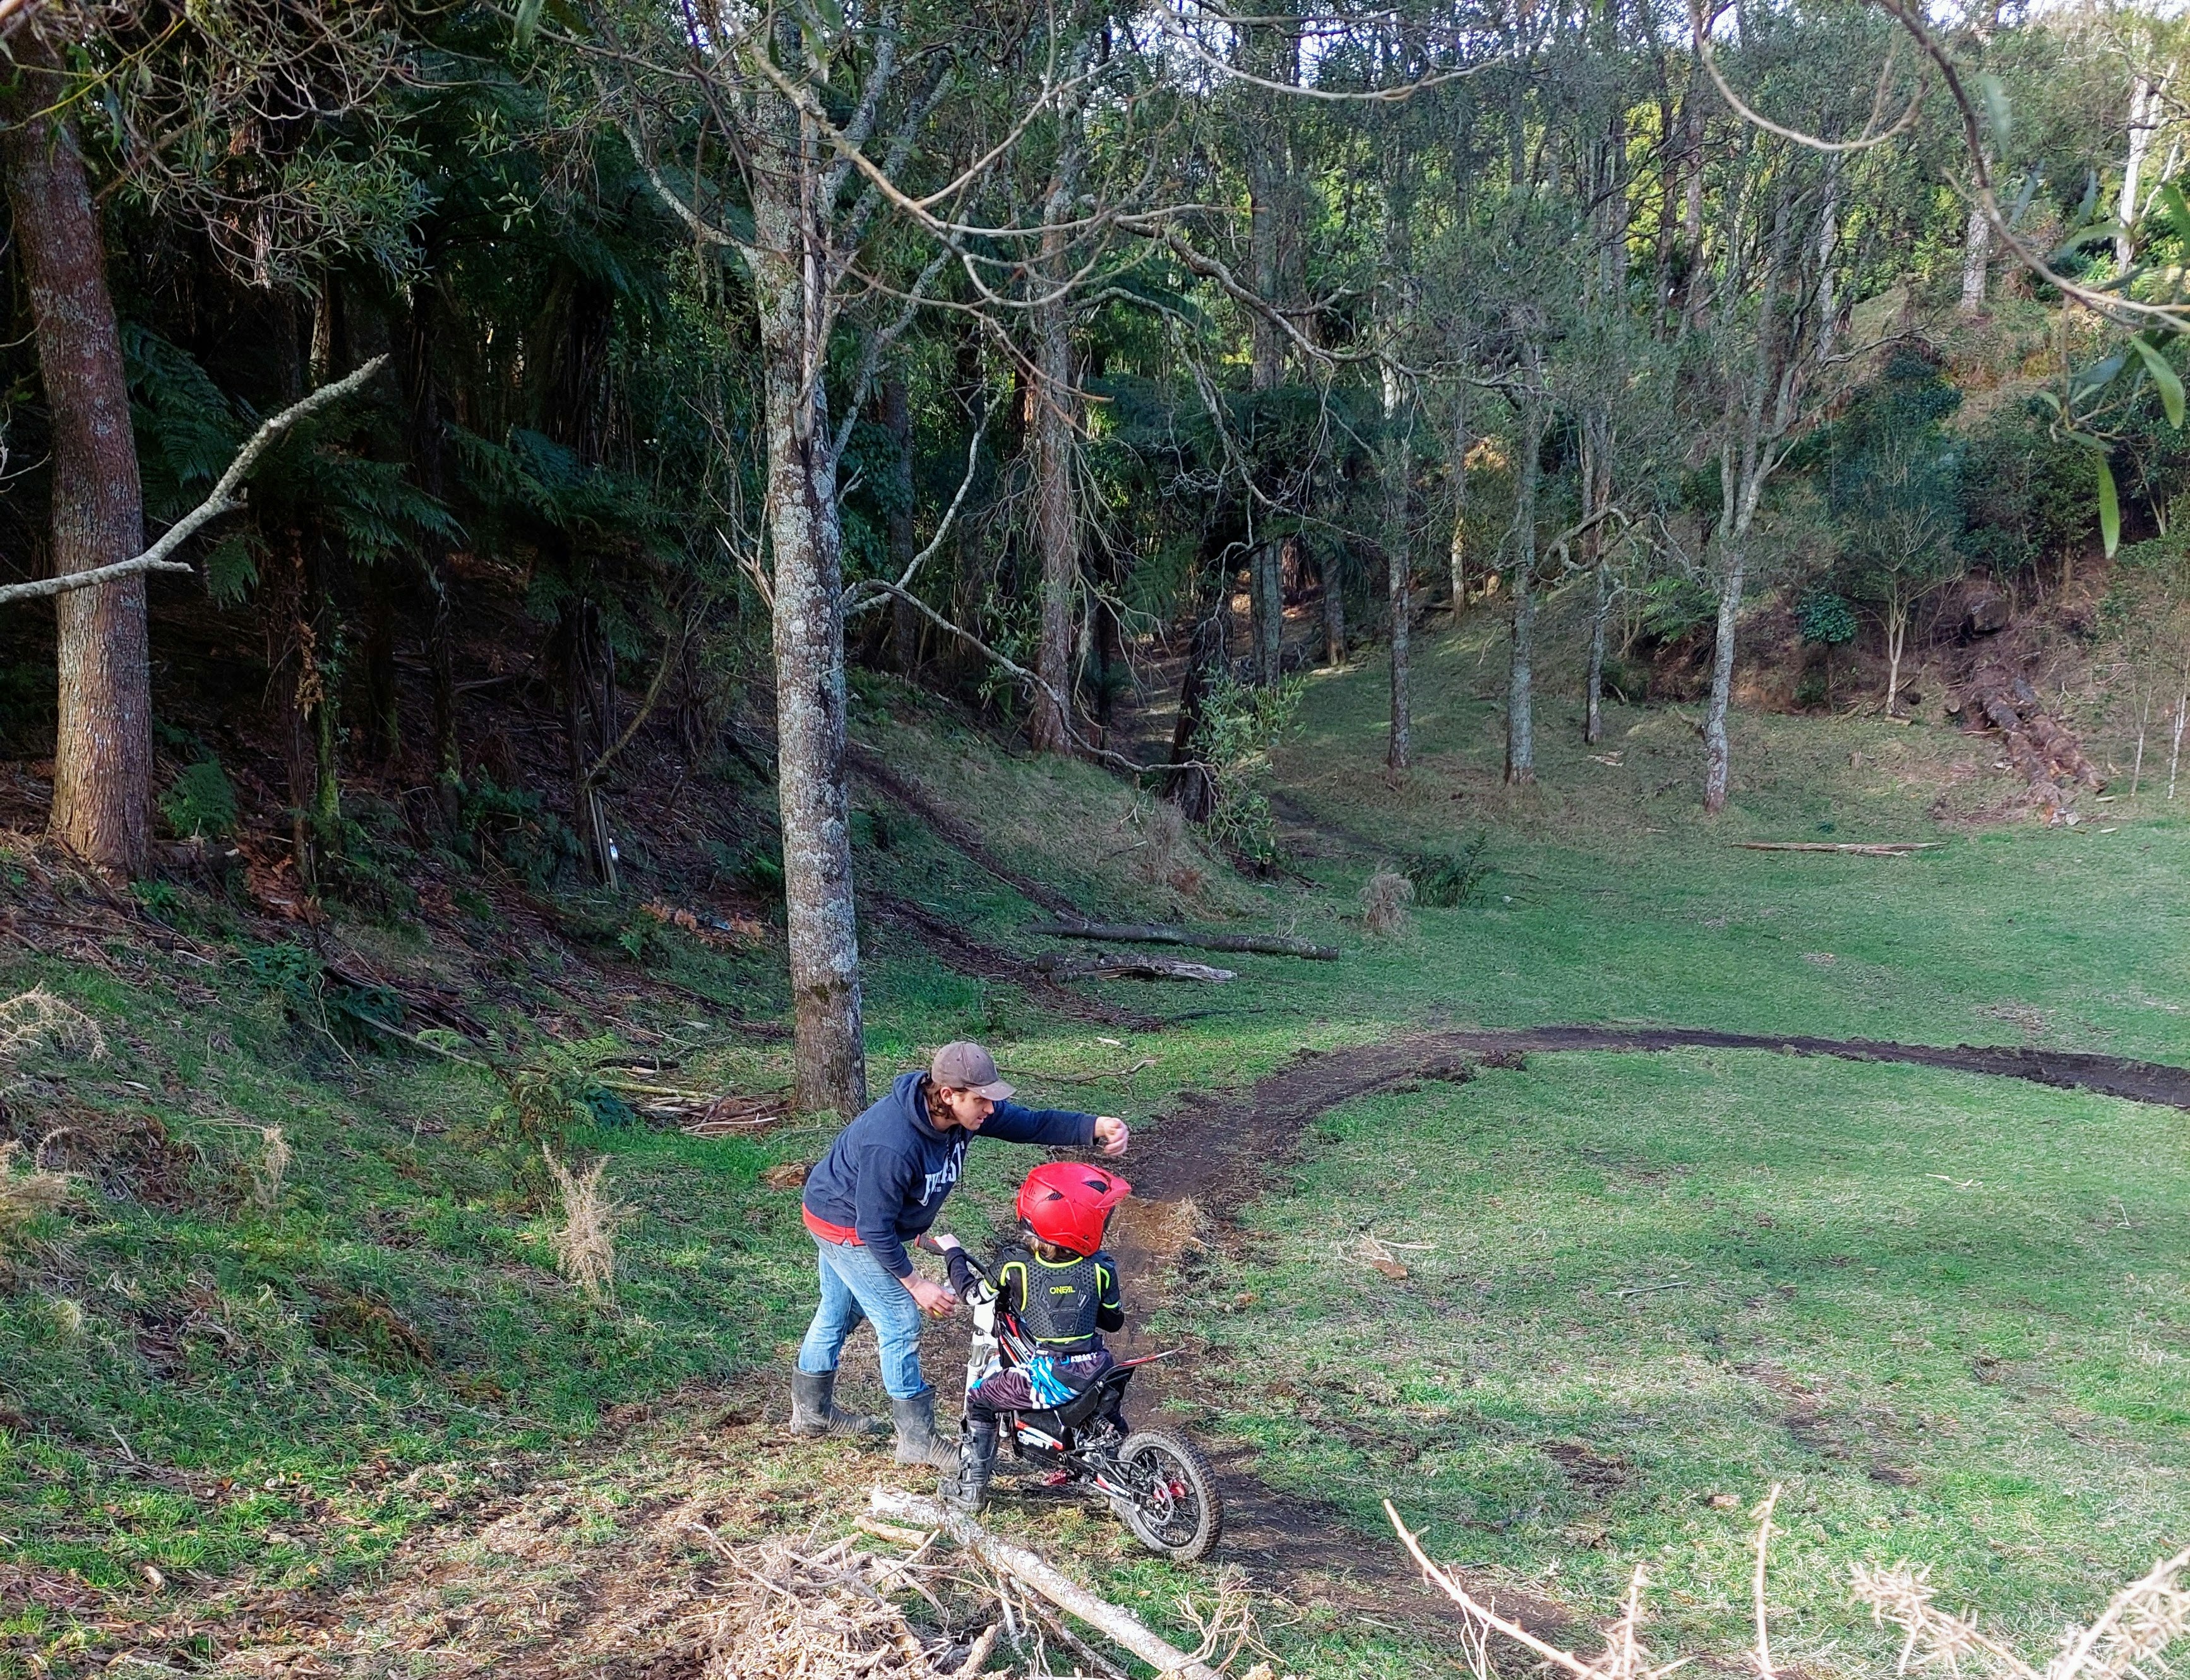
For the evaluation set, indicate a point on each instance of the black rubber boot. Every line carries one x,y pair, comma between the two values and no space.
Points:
977,1463
917,1442
813,1408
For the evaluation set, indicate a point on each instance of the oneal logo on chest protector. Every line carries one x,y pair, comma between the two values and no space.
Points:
1062,1289
945,1176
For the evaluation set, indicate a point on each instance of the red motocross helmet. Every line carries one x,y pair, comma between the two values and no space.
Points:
1068,1204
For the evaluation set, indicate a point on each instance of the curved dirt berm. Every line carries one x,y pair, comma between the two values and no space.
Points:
1216,1149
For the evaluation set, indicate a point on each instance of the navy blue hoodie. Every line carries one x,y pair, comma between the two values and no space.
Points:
888,1172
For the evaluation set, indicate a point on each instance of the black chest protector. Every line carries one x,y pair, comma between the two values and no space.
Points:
1057,1302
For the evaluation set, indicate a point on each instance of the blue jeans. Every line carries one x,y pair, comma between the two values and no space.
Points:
855,1285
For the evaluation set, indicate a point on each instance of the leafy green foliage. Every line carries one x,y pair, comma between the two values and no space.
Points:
200,802
1452,880
1824,618
1241,724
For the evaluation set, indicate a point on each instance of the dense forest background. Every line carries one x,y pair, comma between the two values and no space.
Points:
1095,367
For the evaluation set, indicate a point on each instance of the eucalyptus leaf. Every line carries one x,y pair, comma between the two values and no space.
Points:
528,22
2110,509
1995,99
2164,375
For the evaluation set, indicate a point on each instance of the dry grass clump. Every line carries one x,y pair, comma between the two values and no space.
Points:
585,1247
26,1190
1384,902
35,1021
1164,856
272,1169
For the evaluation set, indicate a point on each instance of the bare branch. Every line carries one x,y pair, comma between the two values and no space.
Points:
226,497
1865,142
874,592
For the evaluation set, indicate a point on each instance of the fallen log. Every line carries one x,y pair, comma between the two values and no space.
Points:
1122,1627
1170,933
1127,968
1849,849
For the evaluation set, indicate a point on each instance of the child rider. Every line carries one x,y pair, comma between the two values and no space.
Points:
1062,1288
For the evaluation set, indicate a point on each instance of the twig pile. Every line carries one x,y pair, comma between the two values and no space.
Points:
828,1616
723,1116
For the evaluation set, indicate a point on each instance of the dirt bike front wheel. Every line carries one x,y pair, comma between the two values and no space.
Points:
1175,1509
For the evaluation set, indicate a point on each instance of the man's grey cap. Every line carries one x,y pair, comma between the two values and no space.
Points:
964,1066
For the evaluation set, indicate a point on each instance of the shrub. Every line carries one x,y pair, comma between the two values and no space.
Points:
1240,724
1448,880
1824,618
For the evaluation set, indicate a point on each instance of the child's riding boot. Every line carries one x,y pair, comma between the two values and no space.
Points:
977,1463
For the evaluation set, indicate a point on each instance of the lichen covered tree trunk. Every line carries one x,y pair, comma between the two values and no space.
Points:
1717,754
828,1054
1600,614
1521,676
103,741
1398,577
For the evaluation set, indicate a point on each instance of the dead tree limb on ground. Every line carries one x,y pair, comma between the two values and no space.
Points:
1167,933
1120,1626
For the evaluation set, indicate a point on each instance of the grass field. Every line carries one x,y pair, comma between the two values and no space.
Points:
1948,1313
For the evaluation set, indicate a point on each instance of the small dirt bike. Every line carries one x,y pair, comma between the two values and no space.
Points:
1156,1481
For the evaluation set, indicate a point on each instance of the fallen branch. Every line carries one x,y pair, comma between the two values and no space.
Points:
1850,850
1165,933
226,498
1127,968
1120,1626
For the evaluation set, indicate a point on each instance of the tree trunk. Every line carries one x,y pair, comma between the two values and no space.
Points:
1056,435
2175,740
1897,638
1329,567
1977,254
1265,586
1829,240
2144,118
1600,611
1457,560
1520,684
828,1051
1717,757
896,422
1189,785
102,739
1398,570
828,1055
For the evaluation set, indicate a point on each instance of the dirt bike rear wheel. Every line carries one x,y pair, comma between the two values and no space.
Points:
1178,1510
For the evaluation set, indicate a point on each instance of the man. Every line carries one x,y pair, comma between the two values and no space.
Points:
879,1188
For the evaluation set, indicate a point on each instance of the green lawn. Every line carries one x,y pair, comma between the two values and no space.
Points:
1949,1314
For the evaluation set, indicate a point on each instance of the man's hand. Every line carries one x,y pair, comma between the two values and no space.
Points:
931,1298
945,1243
1113,1134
